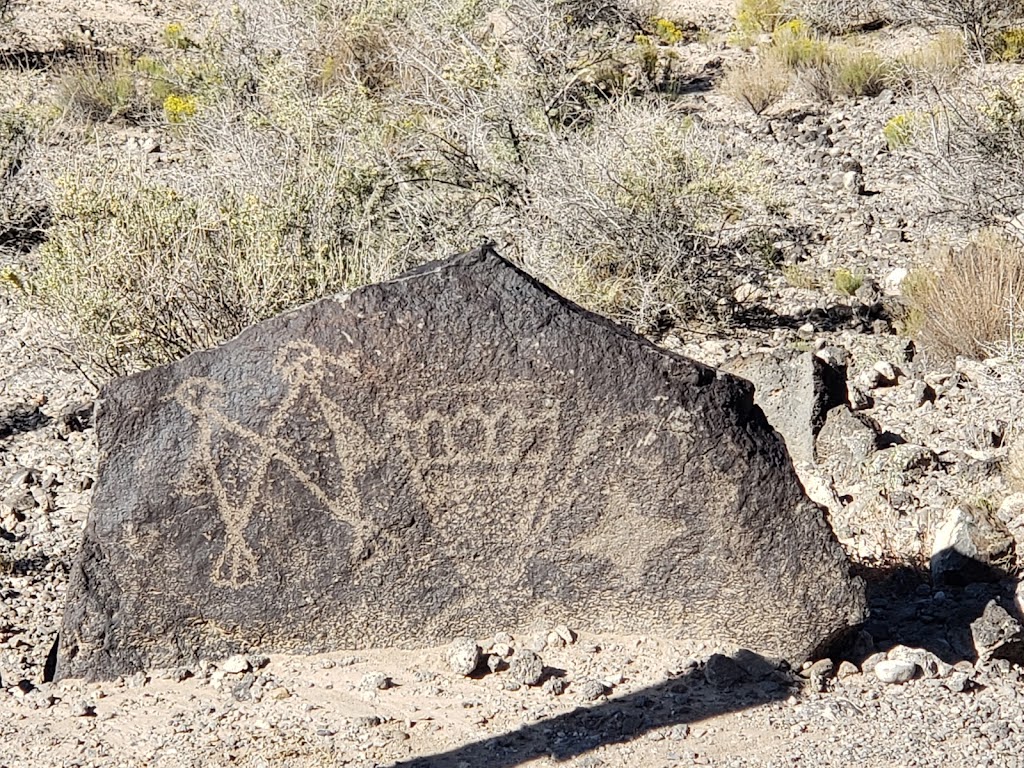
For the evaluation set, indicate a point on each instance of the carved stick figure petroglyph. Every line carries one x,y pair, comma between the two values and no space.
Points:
303,367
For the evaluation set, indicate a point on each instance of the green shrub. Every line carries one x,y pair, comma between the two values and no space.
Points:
899,130
143,274
101,89
343,146
798,277
667,31
758,16
977,20
935,64
175,37
1008,44
836,17
847,282
798,46
859,73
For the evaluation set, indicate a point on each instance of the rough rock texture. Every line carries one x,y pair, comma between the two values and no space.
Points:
453,451
998,635
796,391
972,545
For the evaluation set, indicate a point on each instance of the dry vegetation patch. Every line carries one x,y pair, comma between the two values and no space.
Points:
970,301
343,142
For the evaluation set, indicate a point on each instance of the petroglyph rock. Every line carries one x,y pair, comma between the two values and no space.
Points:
373,469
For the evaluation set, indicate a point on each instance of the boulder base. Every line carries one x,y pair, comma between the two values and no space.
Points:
454,452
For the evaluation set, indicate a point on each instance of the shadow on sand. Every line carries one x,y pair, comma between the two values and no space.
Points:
904,611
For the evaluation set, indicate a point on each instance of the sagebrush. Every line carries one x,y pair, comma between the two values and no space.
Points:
348,141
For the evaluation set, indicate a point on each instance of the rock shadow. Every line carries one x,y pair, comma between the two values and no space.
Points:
907,609
21,418
670,706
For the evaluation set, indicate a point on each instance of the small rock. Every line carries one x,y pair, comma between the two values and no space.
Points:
504,650
722,672
463,656
998,635
892,282
869,664
555,640
590,690
805,331
258,660
280,693
972,545
537,643
554,686
756,666
823,668
931,666
566,634
958,682
895,671
847,669
526,667
235,665
82,709
921,392
375,681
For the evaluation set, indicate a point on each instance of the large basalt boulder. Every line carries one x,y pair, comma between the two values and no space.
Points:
454,452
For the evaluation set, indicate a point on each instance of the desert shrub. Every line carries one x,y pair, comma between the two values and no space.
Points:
667,31
935,64
103,88
979,21
755,17
899,130
829,70
847,282
758,84
1008,44
174,36
971,151
141,273
798,277
641,205
14,141
345,145
857,72
798,46
835,17
966,301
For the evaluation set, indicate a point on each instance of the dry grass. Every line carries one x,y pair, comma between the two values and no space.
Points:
758,84
979,21
935,65
965,302
343,146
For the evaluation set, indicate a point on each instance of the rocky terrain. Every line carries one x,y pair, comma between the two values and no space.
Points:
924,454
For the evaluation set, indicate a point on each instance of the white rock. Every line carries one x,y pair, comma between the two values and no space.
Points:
893,281
235,665
887,374
891,671
463,656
